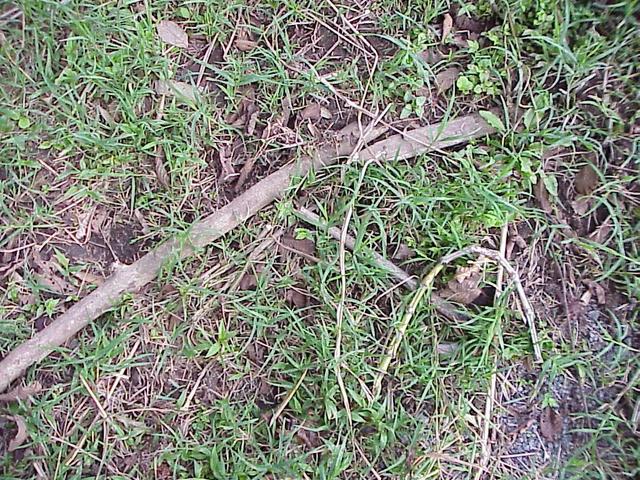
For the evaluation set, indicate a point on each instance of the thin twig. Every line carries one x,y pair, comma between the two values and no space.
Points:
287,399
337,353
530,316
350,242
426,285
488,406
442,306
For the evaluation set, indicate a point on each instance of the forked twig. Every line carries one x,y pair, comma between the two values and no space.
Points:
425,286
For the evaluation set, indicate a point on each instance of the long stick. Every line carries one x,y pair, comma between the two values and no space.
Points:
133,277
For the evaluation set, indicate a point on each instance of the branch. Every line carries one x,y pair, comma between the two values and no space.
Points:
133,277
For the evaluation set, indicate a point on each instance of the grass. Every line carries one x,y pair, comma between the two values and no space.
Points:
182,380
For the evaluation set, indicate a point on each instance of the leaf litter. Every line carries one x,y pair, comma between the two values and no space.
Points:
21,435
181,90
464,287
586,180
22,392
550,424
173,34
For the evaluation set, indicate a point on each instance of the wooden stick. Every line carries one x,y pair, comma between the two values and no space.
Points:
132,278
350,243
408,281
425,286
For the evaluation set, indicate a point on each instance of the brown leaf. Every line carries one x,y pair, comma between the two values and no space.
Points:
581,206
464,287
173,34
161,172
180,90
106,115
88,277
447,79
227,171
465,22
550,424
597,290
21,392
542,195
313,111
252,121
245,45
601,234
295,298
447,24
308,438
402,252
447,348
248,282
325,113
246,109
21,434
586,180
305,246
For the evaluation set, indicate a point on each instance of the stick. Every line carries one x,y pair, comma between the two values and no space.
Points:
131,278
350,243
488,406
425,286
529,313
408,281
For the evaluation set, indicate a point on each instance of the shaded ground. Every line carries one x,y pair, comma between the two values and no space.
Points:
118,129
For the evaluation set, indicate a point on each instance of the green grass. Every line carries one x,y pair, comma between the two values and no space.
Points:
190,370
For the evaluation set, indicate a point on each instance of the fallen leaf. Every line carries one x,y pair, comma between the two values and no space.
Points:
601,234
447,348
597,290
542,195
245,45
402,252
586,180
246,110
88,277
173,34
84,220
164,471
252,121
248,282
161,171
431,55
447,24
550,424
21,434
581,206
465,22
256,352
464,286
227,171
313,111
306,246
180,90
295,298
308,438
447,79
21,392
325,113
106,115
